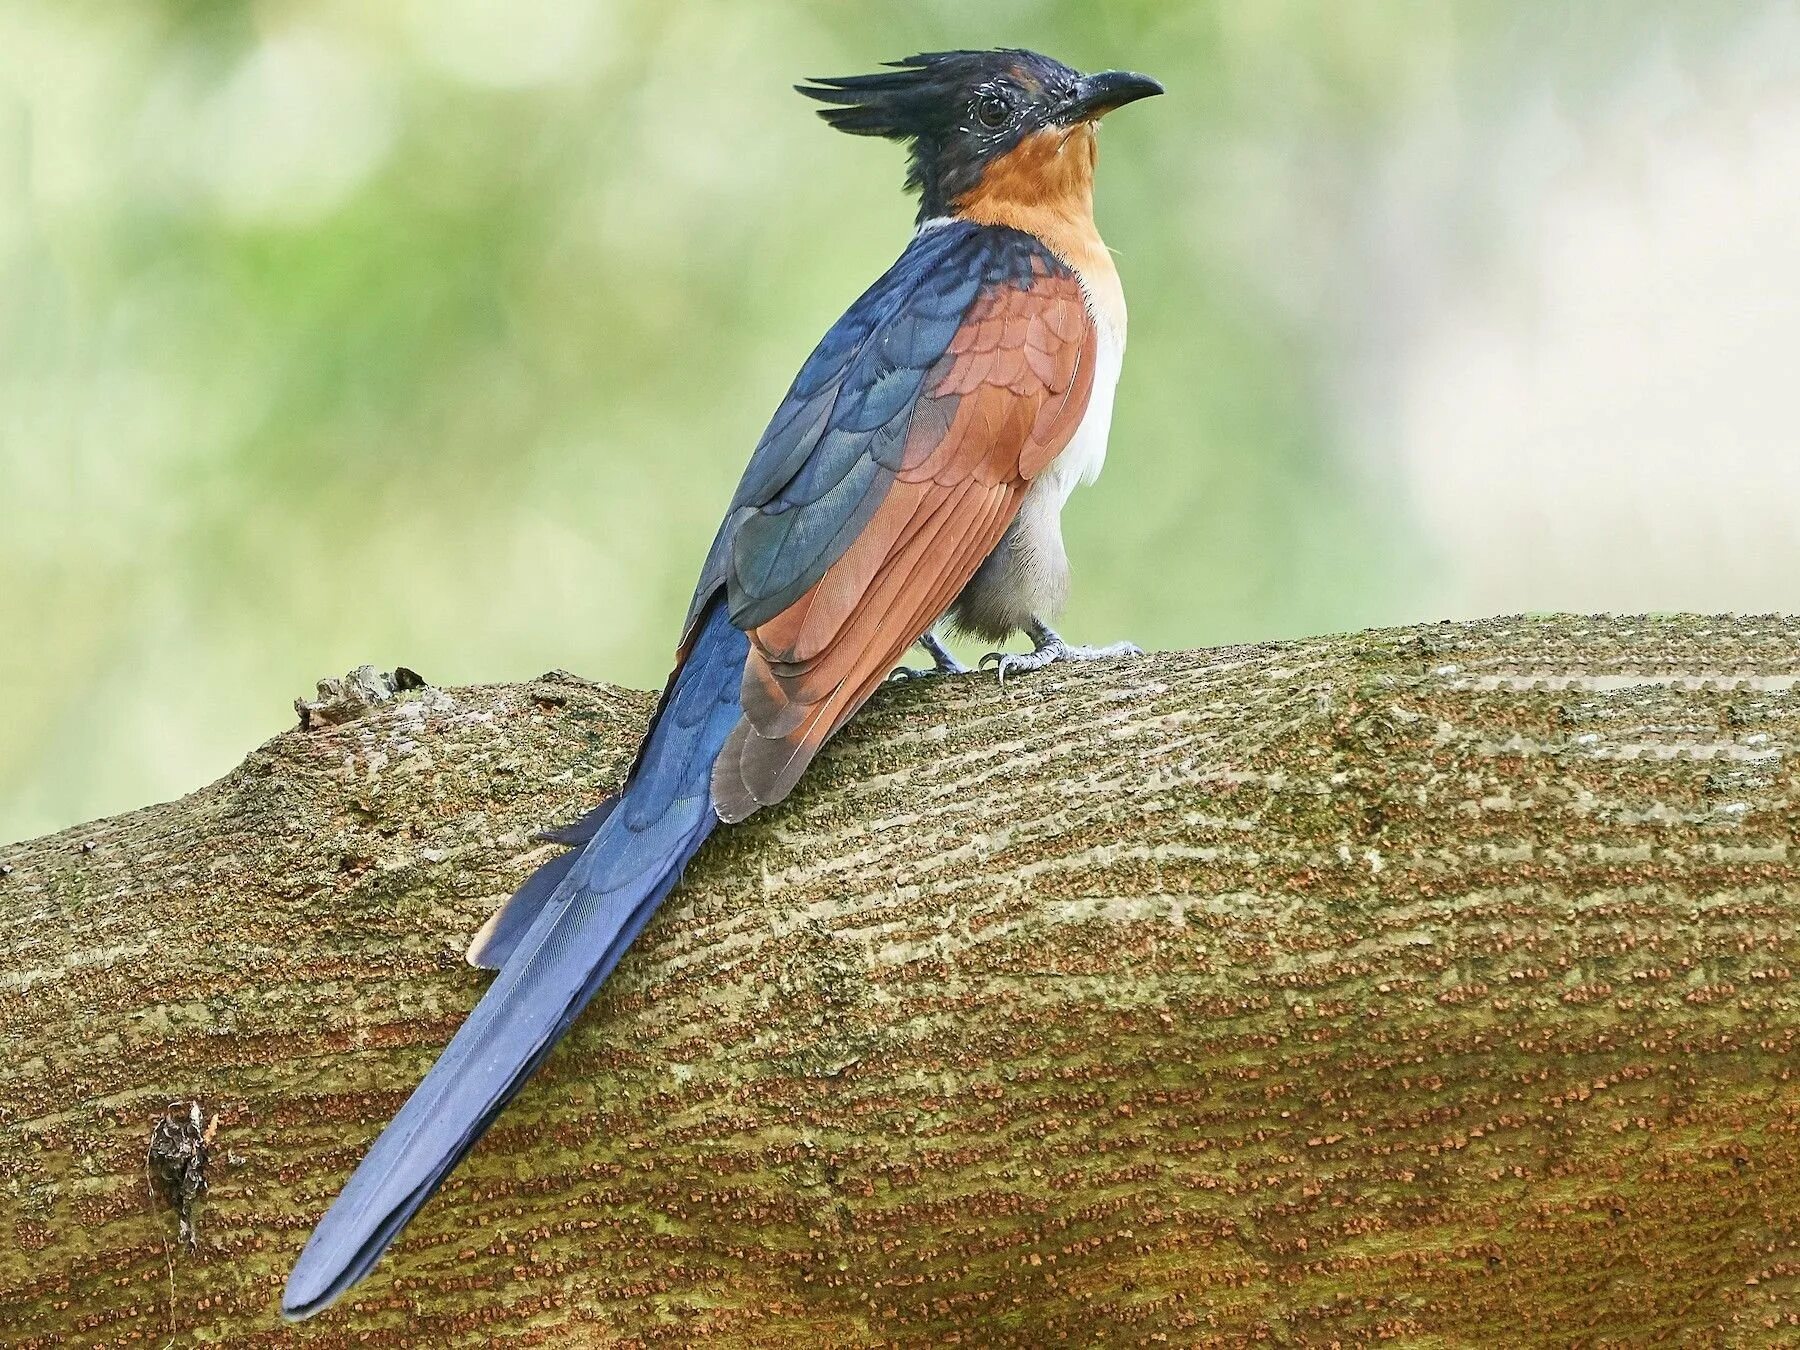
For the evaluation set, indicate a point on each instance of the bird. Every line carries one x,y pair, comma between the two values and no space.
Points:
912,478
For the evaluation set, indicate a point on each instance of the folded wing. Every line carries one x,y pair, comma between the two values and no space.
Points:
893,470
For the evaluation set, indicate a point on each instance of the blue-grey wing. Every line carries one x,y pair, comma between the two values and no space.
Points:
830,453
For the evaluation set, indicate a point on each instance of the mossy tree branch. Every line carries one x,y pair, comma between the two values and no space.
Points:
1434,983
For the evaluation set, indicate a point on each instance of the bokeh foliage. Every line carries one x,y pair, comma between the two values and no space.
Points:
436,333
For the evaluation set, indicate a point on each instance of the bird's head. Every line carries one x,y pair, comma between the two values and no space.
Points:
980,123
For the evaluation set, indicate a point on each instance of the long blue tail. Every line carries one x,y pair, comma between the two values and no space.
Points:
599,906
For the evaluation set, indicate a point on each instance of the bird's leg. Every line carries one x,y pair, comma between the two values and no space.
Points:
1048,647
943,663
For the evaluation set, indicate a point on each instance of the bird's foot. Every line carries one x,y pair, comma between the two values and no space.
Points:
901,674
1051,649
942,662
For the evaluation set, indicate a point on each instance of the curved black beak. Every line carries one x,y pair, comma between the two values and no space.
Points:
1097,95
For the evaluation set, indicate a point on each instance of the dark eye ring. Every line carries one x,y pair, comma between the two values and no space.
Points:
992,111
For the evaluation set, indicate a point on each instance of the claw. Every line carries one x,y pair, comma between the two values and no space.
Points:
1051,649
943,662
1003,662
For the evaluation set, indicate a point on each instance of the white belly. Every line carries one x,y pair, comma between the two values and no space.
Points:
1027,576
1085,455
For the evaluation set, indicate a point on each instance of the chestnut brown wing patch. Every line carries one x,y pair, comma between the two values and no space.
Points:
995,409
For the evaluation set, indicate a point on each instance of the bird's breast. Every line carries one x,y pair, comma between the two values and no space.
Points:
1079,245
1045,188
1086,452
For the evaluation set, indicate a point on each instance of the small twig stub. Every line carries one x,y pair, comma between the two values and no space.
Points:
347,698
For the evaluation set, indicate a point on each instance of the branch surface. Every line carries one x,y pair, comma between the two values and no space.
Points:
1432,984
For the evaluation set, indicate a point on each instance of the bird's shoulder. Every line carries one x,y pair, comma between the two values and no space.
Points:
916,306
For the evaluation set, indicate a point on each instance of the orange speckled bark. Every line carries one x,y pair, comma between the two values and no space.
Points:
1431,985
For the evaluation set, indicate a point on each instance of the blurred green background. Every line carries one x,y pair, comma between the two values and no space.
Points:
436,332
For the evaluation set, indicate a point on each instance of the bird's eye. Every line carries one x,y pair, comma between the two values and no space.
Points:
992,111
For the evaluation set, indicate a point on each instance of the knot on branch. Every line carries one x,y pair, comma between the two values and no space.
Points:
349,697
180,1147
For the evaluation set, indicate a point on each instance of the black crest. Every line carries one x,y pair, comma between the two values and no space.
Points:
956,110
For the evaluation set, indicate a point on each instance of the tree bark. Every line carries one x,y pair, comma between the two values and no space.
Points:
1433,984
